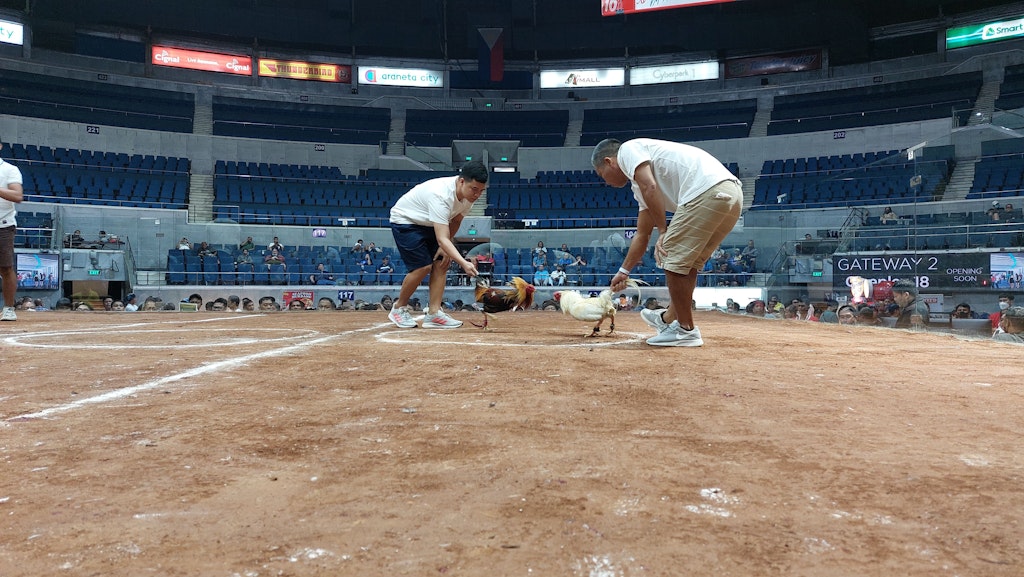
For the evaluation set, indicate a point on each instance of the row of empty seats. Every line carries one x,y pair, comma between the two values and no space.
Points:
251,118
678,122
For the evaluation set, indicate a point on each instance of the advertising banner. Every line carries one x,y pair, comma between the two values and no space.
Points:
305,297
665,73
197,60
414,77
928,271
614,7
298,70
12,33
773,64
973,34
599,78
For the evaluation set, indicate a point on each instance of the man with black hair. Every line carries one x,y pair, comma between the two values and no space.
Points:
423,222
913,311
1011,324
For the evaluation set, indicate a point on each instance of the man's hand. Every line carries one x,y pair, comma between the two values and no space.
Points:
659,251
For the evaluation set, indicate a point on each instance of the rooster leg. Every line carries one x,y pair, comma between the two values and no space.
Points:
483,326
596,332
611,327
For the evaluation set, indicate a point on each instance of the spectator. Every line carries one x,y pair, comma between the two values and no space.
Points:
276,245
541,249
888,216
325,304
244,257
150,305
248,305
1008,214
130,303
913,311
384,271
268,304
847,315
1011,324
423,222
40,306
82,306
623,303
1005,302
321,276
558,276
541,277
184,244
196,299
108,303
275,257
805,312
77,241
540,258
358,247
749,256
373,249
963,311
247,244
296,305
217,305
385,302
234,304
652,304
484,263
365,266
829,314
63,304
205,249
867,316
757,308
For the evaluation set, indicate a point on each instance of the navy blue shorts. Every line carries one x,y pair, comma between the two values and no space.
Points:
417,244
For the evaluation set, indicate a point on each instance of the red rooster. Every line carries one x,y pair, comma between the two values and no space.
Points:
496,300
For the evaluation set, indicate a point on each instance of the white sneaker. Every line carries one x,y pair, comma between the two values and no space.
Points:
8,314
653,318
401,317
440,320
674,335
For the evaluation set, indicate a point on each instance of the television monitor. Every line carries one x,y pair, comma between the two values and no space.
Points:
38,271
1007,270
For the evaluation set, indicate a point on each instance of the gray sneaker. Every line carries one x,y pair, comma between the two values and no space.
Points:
402,318
653,318
674,335
440,320
8,314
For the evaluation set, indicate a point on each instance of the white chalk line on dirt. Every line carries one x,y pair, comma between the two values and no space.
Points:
386,337
227,364
25,340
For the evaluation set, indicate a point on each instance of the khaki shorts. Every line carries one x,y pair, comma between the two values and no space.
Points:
7,246
699,226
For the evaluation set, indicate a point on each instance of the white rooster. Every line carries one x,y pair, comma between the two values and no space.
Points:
592,309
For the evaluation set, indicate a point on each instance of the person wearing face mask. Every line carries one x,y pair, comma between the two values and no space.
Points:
1005,302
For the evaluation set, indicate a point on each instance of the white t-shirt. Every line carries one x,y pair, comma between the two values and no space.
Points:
430,202
9,174
682,171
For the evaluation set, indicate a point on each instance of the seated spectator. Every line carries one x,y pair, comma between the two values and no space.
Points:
150,305
847,315
828,315
184,244
888,216
623,303
373,249
358,247
276,245
541,277
484,263
867,316
652,304
1011,324
196,299
243,258
558,276
108,303
297,305
325,304
248,305
385,270
218,305
274,257
732,306
76,240
365,266
385,302
539,259
130,303
1005,302
234,304
268,304
540,249
963,311
749,256
1008,213
247,244
82,306
205,249
321,276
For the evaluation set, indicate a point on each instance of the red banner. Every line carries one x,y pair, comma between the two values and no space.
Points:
616,7
196,60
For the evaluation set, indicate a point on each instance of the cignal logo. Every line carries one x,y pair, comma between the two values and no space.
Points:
164,56
234,65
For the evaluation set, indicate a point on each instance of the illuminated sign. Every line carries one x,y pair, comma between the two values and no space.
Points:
615,7
773,64
401,77
666,73
12,33
962,36
196,60
305,70
573,79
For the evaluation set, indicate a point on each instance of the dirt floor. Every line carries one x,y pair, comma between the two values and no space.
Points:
308,443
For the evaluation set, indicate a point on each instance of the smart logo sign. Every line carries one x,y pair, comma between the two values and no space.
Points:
196,60
926,270
974,34
12,33
415,78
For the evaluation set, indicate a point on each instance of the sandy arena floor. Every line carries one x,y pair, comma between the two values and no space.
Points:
334,444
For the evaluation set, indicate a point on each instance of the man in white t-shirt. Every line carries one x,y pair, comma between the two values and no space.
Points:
11,193
423,222
706,200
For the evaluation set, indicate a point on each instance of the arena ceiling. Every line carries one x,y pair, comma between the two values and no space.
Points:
536,29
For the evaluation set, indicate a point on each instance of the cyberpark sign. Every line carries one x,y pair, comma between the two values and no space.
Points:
197,60
975,34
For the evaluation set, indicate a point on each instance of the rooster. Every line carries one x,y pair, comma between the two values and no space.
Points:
496,300
591,309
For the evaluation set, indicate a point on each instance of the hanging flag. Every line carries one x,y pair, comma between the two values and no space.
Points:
492,54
